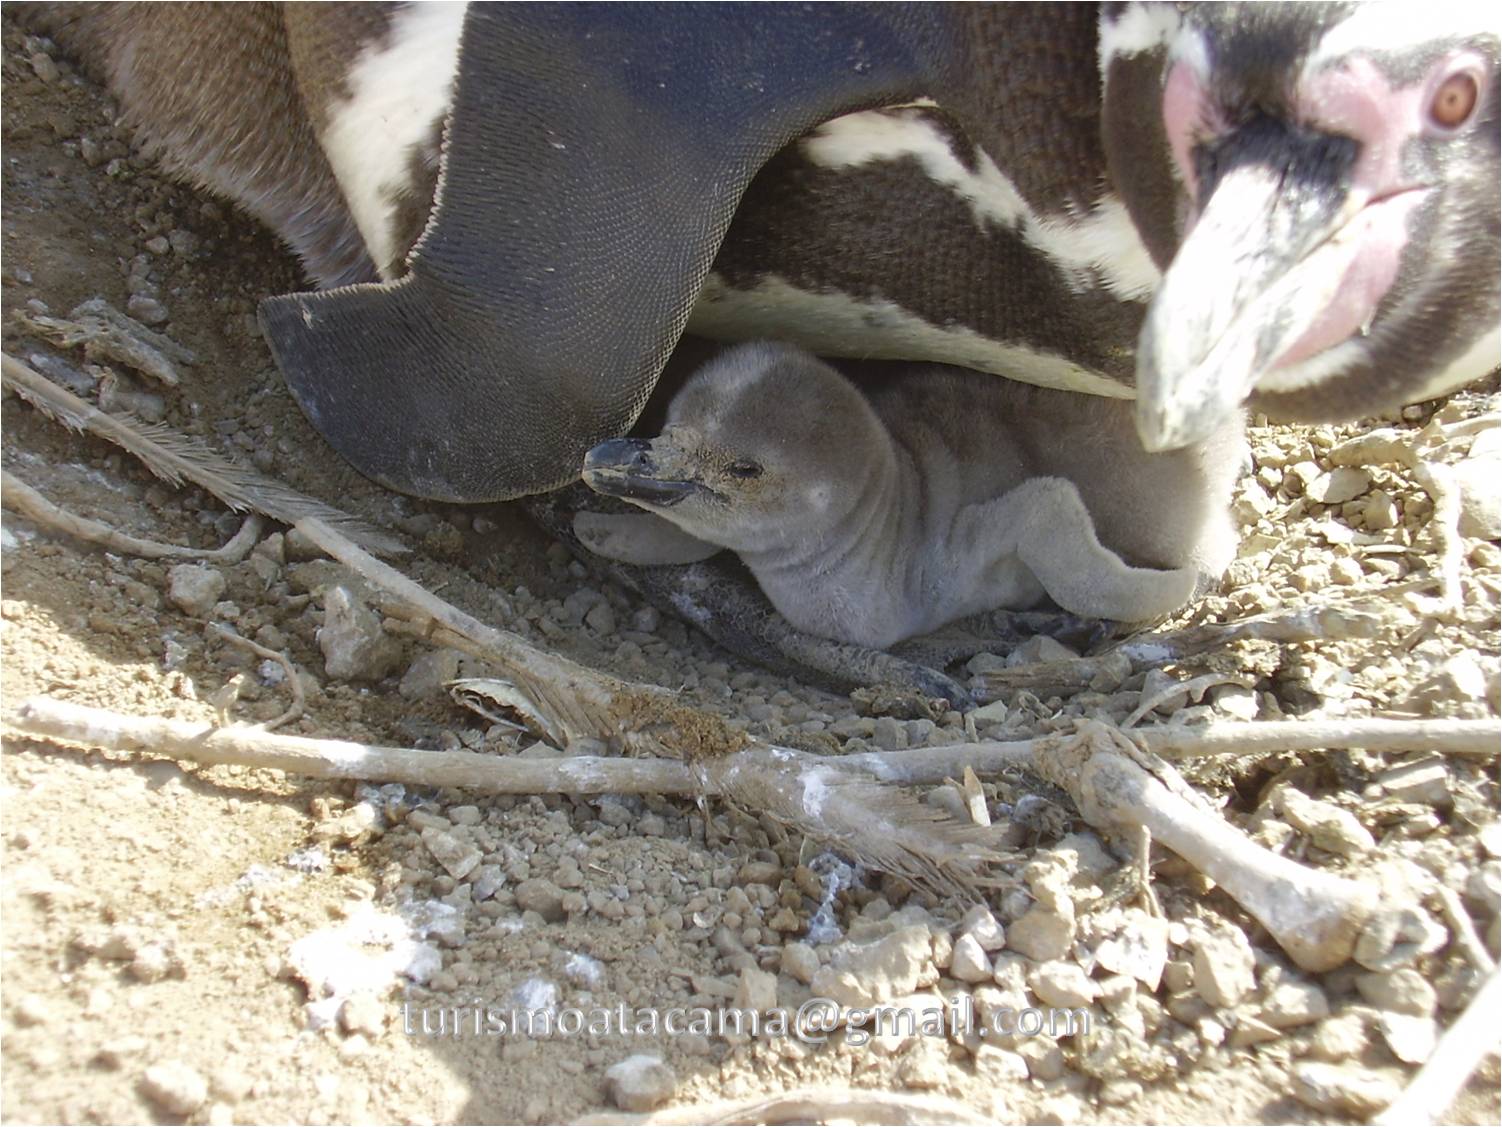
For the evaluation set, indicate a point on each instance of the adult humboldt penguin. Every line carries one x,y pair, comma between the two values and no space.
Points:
1293,203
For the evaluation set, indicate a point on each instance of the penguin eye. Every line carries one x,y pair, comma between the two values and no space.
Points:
745,468
1455,100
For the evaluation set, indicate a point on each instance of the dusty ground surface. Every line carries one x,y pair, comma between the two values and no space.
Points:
157,959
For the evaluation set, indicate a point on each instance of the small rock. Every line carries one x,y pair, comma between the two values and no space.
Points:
175,1087
1328,826
1381,511
862,975
999,1066
542,896
354,646
147,310
364,1014
1480,500
984,927
428,674
890,734
1043,933
1251,1031
639,1083
968,962
1338,1038
1342,484
1411,1039
31,1009
1292,1003
45,67
195,588
1403,991
1458,680
1139,950
601,618
1063,984
1045,1060
800,961
1224,967
756,990
925,1065
1338,1088
458,858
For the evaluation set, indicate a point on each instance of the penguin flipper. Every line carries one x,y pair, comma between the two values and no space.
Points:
644,539
594,157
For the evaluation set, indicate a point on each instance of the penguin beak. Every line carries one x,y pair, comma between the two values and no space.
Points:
1273,270
626,468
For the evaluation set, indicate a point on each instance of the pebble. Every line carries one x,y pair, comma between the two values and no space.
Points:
866,974
1292,1003
925,1065
1342,484
1043,933
800,961
601,618
1460,678
1480,500
890,734
354,646
428,675
1339,1038
755,990
1224,967
1328,826
195,588
1063,984
1339,1088
363,1014
147,310
1411,1039
984,928
175,1087
1403,991
1045,1060
968,961
640,1082
458,858
542,896
45,67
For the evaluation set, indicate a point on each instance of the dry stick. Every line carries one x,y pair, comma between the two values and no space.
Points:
808,1105
294,682
891,830
1450,1066
22,498
1463,929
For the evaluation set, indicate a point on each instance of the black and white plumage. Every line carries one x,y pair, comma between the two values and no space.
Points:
1291,204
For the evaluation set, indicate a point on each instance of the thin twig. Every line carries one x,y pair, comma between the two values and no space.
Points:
809,1105
294,682
1454,1059
22,498
1463,929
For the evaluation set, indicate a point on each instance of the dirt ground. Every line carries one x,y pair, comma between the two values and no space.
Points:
185,944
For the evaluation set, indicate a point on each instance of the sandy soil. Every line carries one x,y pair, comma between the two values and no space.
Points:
164,924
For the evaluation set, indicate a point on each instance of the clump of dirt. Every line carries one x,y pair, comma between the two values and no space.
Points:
187,944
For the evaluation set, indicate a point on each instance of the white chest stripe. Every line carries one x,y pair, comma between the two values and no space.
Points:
398,89
1087,250
835,324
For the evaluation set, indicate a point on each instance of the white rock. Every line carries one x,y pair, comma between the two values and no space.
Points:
1043,933
1328,826
1063,984
1338,1088
1342,484
1139,950
1410,1038
756,990
968,962
1224,966
862,975
1403,991
640,1082
195,588
458,858
800,961
175,1087
984,927
354,646
1292,1003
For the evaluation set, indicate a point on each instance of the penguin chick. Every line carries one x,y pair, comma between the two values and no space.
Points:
940,493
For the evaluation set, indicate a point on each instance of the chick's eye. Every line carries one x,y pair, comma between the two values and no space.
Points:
1454,100
744,468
